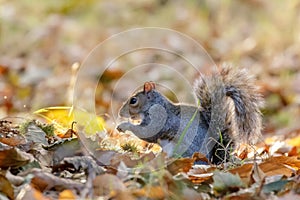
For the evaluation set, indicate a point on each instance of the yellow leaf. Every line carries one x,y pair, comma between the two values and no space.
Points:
294,141
66,194
63,116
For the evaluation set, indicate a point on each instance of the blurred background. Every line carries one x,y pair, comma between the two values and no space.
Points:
41,40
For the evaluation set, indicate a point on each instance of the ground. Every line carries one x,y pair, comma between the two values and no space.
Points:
44,45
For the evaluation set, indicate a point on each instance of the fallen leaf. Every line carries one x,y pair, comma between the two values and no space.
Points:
274,186
197,156
13,157
200,173
294,151
35,134
224,182
180,165
63,117
9,132
13,141
280,165
151,192
243,154
199,178
244,172
64,148
295,141
104,157
6,187
257,174
68,134
79,162
107,184
67,195
191,194
44,180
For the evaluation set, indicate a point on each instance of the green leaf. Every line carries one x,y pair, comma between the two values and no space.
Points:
274,186
225,181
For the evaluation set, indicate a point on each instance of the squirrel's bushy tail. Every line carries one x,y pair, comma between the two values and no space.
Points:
241,116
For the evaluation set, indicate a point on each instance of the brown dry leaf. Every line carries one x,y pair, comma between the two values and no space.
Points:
199,157
180,165
85,163
294,151
13,157
202,169
200,174
13,141
6,187
271,169
123,195
199,178
280,165
107,184
293,162
9,132
66,194
246,151
185,164
257,174
68,134
243,154
242,151
44,180
244,172
151,192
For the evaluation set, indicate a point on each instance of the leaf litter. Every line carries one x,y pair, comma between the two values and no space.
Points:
39,164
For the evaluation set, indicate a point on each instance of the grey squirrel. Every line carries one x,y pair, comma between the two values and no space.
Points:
228,112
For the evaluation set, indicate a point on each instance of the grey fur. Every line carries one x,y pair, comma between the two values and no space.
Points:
229,107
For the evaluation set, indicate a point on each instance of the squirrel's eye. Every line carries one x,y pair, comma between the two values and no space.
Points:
133,101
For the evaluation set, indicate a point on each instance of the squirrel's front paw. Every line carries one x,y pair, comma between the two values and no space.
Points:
123,126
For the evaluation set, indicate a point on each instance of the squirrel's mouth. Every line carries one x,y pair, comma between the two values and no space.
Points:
135,118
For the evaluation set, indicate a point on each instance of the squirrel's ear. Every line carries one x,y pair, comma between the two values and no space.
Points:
148,86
